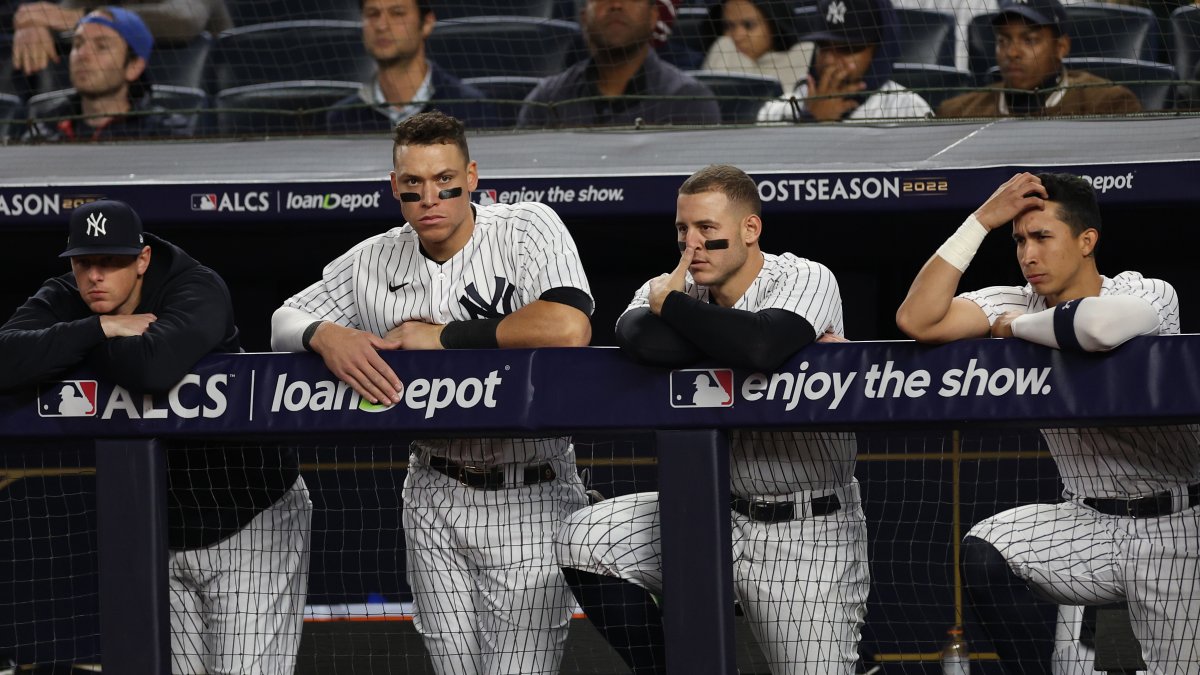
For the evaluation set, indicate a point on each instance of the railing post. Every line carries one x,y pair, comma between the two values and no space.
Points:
693,479
131,513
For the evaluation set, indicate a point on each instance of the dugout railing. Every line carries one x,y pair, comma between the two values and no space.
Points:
867,387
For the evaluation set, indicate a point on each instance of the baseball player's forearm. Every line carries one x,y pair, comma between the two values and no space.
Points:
647,338
191,322
1095,324
930,312
543,323
287,328
761,340
29,354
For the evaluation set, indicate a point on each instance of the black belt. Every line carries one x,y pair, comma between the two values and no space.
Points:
778,512
1154,506
488,477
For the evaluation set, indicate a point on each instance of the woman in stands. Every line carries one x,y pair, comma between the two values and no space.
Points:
758,37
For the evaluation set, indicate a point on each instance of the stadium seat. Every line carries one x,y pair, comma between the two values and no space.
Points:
486,46
694,28
933,82
981,47
507,91
1185,49
926,36
279,107
1107,30
747,92
1153,83
1099,30
7,85
189,102
249,12
285,51
463,9
11,114
182,64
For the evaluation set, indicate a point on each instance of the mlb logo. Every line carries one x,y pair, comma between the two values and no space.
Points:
204,202
702,388
68,398
484,197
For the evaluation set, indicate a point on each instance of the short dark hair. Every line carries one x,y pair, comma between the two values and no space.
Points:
1075,199
431,128
423,6
729,181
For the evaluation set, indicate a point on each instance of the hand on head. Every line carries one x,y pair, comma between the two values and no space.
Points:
1023,192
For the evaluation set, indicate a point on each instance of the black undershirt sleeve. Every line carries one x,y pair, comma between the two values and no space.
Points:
648,339
761,340
570,296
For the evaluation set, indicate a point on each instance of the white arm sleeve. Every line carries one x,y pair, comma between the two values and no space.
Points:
287,328
1101,323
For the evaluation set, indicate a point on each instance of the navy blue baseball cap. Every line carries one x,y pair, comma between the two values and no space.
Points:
128,25
1036,12
851,22
105,227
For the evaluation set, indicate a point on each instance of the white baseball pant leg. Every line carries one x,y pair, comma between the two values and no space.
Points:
487,596
237,606
1074,555
803,584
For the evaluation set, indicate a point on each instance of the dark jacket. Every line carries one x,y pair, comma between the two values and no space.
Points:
655,78
1086,99
358,113
213,489
149,122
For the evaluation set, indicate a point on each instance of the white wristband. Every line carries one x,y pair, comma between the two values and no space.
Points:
960,248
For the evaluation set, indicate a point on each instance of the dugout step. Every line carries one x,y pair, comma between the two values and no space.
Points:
364,647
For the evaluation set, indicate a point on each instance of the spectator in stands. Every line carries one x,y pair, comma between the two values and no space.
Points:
141,312
1030,48
394,33
850,78
109,54
606,88
758,37
35,24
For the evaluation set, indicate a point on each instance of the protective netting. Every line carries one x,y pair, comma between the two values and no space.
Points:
896,555
249,69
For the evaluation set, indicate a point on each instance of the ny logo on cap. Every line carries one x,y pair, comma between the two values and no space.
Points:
96,224
836,13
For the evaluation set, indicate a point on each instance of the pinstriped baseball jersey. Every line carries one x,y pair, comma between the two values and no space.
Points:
1113,462
516,253
775,463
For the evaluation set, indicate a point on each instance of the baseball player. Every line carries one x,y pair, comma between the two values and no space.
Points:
1130,527
142,312
479,514
799,535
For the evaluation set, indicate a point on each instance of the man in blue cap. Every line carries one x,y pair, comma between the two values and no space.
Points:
109,54
1031,44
